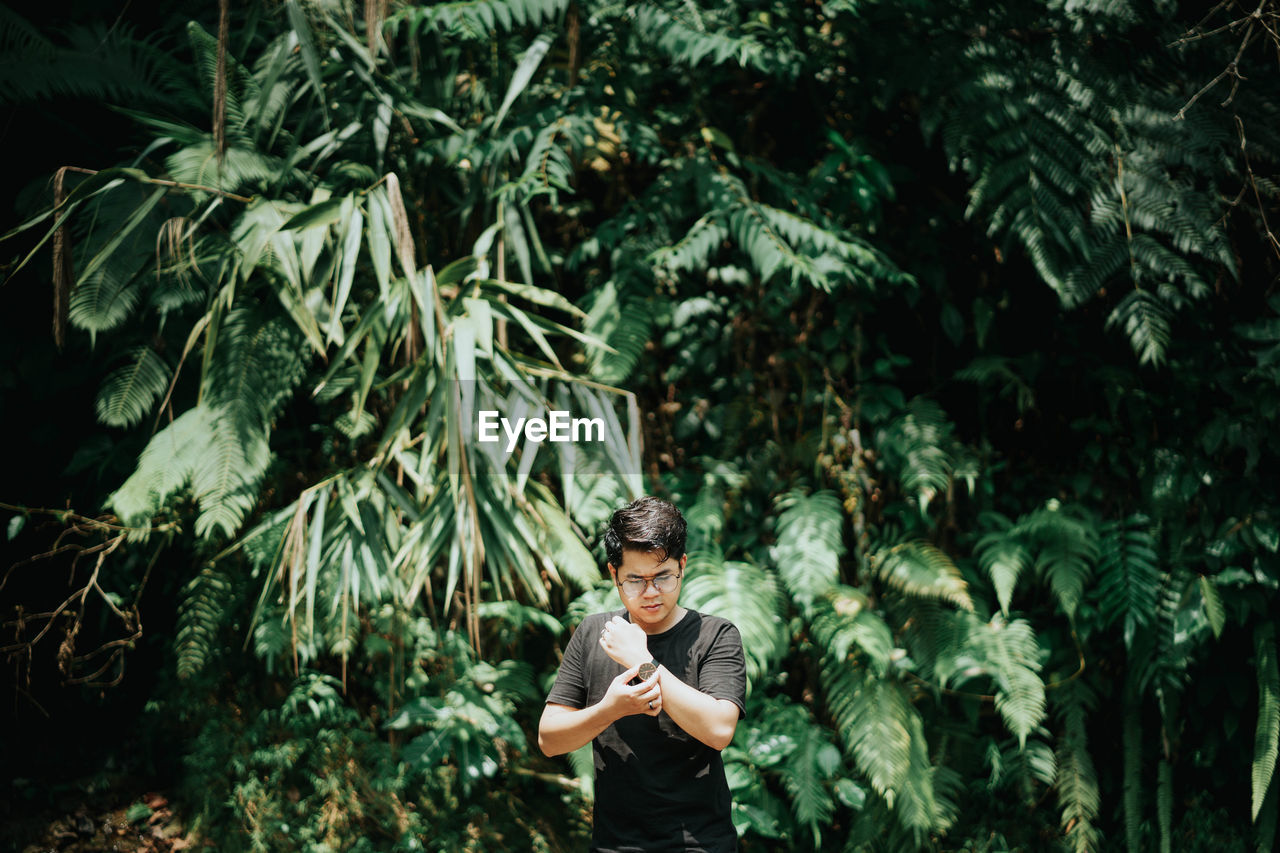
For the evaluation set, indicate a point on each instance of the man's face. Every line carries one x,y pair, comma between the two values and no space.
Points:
638,580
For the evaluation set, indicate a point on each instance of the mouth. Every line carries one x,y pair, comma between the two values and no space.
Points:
651,608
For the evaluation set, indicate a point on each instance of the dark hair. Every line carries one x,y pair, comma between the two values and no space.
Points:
647,524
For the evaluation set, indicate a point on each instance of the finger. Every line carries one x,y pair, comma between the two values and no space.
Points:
628,675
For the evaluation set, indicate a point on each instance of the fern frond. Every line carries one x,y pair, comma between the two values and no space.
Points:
129,392
810,544
1128,576
1077,783
1004,556
805,774
692,47
626,324
91,62
745,594
166,465
919,447
226,478
1010,652
873,718
204,604
843,620
1266,742
1146,320
1067,548
1060,544
478,18
924,571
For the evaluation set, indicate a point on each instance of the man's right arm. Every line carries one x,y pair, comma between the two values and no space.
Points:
563,729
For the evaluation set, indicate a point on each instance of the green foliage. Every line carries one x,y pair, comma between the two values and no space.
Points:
746,595
921,570
1077,780
810,544
1078,162
1060,546
1128,577
1268,732
132,390
855,316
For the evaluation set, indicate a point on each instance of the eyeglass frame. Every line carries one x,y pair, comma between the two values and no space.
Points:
647,581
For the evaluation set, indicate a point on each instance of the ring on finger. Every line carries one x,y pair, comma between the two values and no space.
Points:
650,704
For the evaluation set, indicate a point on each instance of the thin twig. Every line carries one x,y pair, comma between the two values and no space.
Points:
175,184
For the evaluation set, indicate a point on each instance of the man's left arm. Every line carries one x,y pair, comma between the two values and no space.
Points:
710,720
703,716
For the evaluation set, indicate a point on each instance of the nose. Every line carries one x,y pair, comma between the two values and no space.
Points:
651,590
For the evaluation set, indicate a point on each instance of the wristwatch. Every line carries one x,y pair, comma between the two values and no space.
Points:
647,669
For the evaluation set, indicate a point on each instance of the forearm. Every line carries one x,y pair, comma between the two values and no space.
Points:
563,729
704,717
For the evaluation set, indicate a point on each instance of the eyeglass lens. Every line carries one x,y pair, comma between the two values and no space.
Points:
662,583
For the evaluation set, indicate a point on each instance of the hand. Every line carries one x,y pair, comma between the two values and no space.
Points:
625,642
627,699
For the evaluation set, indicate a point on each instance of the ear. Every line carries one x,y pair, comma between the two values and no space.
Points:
684,558
613,573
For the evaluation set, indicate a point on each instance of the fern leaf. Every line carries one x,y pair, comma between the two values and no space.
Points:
1066,551
130,391
625,324
691,47
805,774
1128,576
745,594
1011,654
1004,557
924,571
166,465
919,447
810,544
1266,742
204,603
227,476
844,620
1213,609
874,721
1077,781
1146,320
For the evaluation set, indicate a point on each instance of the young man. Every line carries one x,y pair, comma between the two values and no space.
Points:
658,690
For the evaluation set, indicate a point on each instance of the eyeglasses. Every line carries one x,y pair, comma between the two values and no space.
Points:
635,587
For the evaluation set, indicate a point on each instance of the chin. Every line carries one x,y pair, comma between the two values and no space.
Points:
653,615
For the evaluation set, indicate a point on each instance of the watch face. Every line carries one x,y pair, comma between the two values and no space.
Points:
646,670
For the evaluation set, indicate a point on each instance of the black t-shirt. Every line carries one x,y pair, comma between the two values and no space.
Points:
657,787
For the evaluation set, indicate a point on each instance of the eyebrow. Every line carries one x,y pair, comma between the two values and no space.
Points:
635,577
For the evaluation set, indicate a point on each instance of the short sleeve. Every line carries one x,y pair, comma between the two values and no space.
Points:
722,672
570,687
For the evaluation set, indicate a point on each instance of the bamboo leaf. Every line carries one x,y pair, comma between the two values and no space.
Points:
525,69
